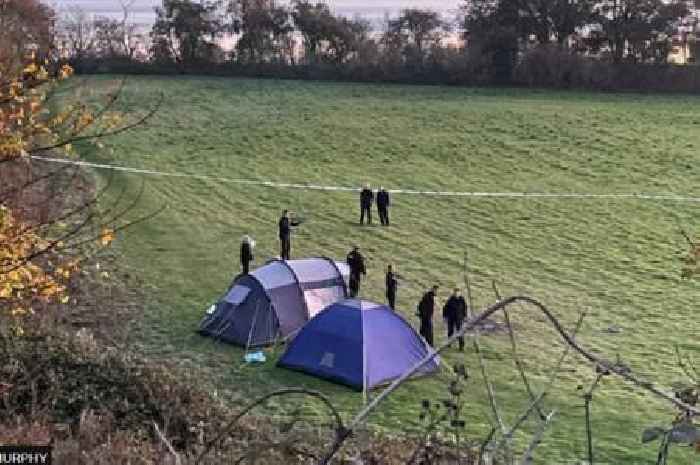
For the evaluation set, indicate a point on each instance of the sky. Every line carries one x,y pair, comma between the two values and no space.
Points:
375,10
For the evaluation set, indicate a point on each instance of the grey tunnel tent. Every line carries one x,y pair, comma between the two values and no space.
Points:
275,300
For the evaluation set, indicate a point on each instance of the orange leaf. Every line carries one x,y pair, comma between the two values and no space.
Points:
107,236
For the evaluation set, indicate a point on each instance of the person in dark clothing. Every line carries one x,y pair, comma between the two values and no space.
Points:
391,285
247,246
454,312
356,262
366,199
383,203
285,234
426,307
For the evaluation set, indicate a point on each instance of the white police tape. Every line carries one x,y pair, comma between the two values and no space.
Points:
284,185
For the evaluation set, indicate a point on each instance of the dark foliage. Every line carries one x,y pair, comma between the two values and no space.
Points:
516,43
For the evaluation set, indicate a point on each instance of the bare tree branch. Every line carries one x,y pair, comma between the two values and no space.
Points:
103,134
687,237
484,444
340,429
516,356
165,441
537,439
480,357
605,364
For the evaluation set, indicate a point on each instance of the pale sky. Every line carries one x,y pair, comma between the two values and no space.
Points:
142,10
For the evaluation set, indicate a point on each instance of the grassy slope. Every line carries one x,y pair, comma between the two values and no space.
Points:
615,260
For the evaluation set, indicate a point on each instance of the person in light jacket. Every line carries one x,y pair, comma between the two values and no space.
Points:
247,246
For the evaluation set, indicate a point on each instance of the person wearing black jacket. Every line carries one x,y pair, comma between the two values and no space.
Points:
454,312
247,245
426,307
383,203
366,199
391,285
356,262
285,234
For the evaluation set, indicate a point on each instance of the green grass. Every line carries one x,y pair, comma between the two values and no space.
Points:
616,260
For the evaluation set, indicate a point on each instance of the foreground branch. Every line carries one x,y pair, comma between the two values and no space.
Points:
470,325
340,429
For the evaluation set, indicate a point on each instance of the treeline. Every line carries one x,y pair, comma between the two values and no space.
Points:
605,44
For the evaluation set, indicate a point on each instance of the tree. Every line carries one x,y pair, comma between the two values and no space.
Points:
546,20
555,20
415,31
186,32
639,27
128,30
108,37
23,23
310,20
117,37
44,234
78,32
345,37
265,29
494,29
567,16
326,36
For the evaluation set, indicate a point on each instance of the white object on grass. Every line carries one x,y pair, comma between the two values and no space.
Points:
255,357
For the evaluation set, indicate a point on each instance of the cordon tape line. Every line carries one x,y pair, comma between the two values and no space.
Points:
284,185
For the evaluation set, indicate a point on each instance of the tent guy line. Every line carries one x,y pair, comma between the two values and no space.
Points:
284,185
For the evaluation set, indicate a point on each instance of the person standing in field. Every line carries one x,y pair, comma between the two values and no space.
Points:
247,246
454,312
366,199
426,308
285,234
356,262
383,203
391,285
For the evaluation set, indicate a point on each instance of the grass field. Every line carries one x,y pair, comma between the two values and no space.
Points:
617,260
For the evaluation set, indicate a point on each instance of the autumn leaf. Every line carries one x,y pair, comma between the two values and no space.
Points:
5,291
19,311
24,121
65,72
23,281
106,237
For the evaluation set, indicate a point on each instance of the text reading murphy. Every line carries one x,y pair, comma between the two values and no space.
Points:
25,455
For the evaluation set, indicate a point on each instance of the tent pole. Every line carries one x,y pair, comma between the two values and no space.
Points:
467,284
365,394
252,327
221,331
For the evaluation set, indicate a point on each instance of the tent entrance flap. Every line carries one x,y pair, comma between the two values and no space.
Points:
274,301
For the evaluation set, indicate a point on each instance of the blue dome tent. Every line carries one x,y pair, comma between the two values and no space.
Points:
357,343
275,300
